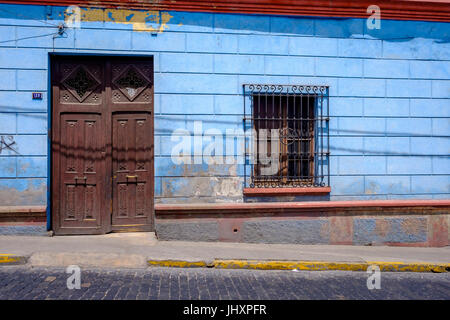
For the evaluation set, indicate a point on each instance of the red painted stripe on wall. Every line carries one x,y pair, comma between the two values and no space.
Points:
274,207
396,9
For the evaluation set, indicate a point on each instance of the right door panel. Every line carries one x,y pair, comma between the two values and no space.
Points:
132,172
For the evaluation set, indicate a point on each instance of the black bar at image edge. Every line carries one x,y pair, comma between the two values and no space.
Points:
228,309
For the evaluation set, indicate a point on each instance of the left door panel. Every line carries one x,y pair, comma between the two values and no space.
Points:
79,175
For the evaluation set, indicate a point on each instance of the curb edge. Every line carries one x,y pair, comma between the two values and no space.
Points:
305,265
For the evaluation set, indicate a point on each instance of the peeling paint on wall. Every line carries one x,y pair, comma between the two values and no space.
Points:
231,187
150,21
33,194
412,226
389,230
448,224
195,187
382,227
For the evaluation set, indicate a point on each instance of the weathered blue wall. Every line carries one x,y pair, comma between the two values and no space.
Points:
389,94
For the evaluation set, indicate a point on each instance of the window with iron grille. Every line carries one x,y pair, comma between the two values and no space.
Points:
290,140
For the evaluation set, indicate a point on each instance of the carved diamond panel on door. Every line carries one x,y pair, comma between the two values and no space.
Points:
132,172
132,83
81,83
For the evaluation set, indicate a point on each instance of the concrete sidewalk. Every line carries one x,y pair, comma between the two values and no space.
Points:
143,249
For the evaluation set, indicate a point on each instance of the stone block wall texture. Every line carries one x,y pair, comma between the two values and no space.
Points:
408,228
389,95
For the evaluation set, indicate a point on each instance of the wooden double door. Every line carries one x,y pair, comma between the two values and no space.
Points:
102,144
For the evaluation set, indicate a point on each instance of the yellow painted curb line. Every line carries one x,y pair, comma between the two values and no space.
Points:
177,263
411,266
305,265
288,265
6,258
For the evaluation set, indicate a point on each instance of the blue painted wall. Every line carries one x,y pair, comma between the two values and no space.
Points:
389,95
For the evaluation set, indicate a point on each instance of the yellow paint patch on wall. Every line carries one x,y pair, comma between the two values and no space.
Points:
149,21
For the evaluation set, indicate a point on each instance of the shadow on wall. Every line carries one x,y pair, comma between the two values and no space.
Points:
214,122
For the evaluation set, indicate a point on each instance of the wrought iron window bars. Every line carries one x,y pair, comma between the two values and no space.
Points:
289,146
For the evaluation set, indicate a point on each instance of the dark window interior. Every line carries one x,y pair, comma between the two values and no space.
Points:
294,119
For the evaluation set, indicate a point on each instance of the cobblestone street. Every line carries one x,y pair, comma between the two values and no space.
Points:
20,282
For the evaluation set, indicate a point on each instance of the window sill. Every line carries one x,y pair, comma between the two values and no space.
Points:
262,192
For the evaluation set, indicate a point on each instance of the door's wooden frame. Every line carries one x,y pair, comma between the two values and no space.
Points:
52,222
